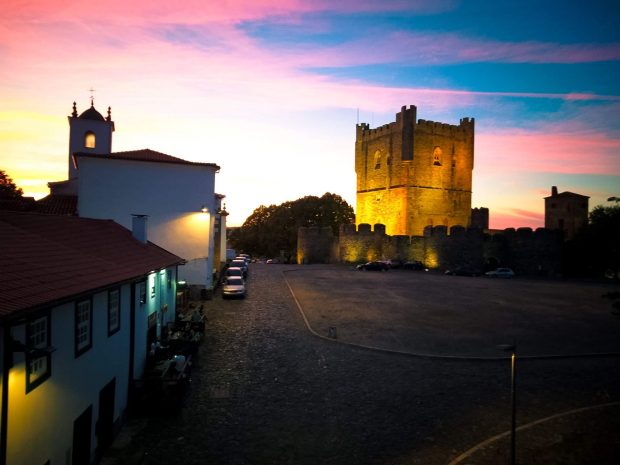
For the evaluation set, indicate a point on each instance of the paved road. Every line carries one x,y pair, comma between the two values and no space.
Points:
266,391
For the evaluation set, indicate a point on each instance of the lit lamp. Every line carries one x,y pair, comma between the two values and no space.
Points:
204,209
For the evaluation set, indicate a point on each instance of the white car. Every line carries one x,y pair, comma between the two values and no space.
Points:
500,273
233,287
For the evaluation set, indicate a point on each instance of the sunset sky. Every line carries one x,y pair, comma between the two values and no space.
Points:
271,90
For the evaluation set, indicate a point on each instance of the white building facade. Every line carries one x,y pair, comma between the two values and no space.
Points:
72,347
177,196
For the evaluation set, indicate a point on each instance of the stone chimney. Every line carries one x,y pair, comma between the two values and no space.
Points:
138,227
554,190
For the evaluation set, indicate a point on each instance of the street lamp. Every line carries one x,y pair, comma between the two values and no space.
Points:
512,348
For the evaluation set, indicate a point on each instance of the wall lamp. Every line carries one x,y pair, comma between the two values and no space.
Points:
17,346
204,209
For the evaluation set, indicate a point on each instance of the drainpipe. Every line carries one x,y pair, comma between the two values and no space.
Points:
132,342
7,356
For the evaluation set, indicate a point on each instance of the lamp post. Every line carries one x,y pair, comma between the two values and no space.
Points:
512,348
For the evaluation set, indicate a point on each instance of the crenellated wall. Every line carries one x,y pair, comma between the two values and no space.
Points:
316,245
411,174
527,252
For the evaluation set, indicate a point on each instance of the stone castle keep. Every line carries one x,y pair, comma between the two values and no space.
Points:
414,184
414,174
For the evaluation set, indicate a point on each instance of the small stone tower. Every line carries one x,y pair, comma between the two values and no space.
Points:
89,132
566,211
414,174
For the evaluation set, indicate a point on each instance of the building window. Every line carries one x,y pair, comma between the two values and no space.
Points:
89,140
38,360
169,277
437,156
114,311
142,288
83,327
377,159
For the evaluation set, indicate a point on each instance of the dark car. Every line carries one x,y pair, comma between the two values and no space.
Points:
415,265
464,271
373,266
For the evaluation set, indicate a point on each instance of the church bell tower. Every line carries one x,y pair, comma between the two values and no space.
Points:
89,132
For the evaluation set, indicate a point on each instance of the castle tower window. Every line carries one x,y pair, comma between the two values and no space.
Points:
437,156
377,159
89,140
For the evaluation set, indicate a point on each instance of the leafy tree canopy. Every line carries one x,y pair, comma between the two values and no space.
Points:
595,251
8,189
272,231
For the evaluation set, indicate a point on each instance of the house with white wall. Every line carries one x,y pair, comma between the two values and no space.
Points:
176,195
185,215
80,302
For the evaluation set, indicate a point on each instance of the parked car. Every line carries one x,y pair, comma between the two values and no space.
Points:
373,266
464,271
500,273
394,263
233,287
414,265
240,264
232,271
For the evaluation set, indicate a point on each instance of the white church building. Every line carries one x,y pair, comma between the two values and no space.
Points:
177,197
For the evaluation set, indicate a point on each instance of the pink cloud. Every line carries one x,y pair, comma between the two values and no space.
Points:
197,12
515,218
551,151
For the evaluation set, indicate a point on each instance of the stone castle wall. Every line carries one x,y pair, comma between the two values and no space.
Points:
411,174
527,252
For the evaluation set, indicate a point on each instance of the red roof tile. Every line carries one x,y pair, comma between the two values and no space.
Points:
147,155
50,258
55,204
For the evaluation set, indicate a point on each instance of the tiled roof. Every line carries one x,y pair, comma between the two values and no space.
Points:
568,194
51,258
55,204
147,155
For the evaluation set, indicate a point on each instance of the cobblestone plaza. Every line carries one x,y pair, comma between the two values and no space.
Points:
267,390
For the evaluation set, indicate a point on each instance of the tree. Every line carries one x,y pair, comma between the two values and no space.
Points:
604,236
272,230
8,189
595,251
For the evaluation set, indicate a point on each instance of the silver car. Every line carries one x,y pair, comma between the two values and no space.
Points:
500,273
233,287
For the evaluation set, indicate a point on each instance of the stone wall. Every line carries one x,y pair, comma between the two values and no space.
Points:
411,174
527,252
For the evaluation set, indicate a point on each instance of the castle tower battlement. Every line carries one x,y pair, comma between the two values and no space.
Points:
411,174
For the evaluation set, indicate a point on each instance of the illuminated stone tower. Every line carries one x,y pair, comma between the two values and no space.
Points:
413,174
89,132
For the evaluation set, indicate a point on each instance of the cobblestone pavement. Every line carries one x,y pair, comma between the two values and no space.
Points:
266,391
